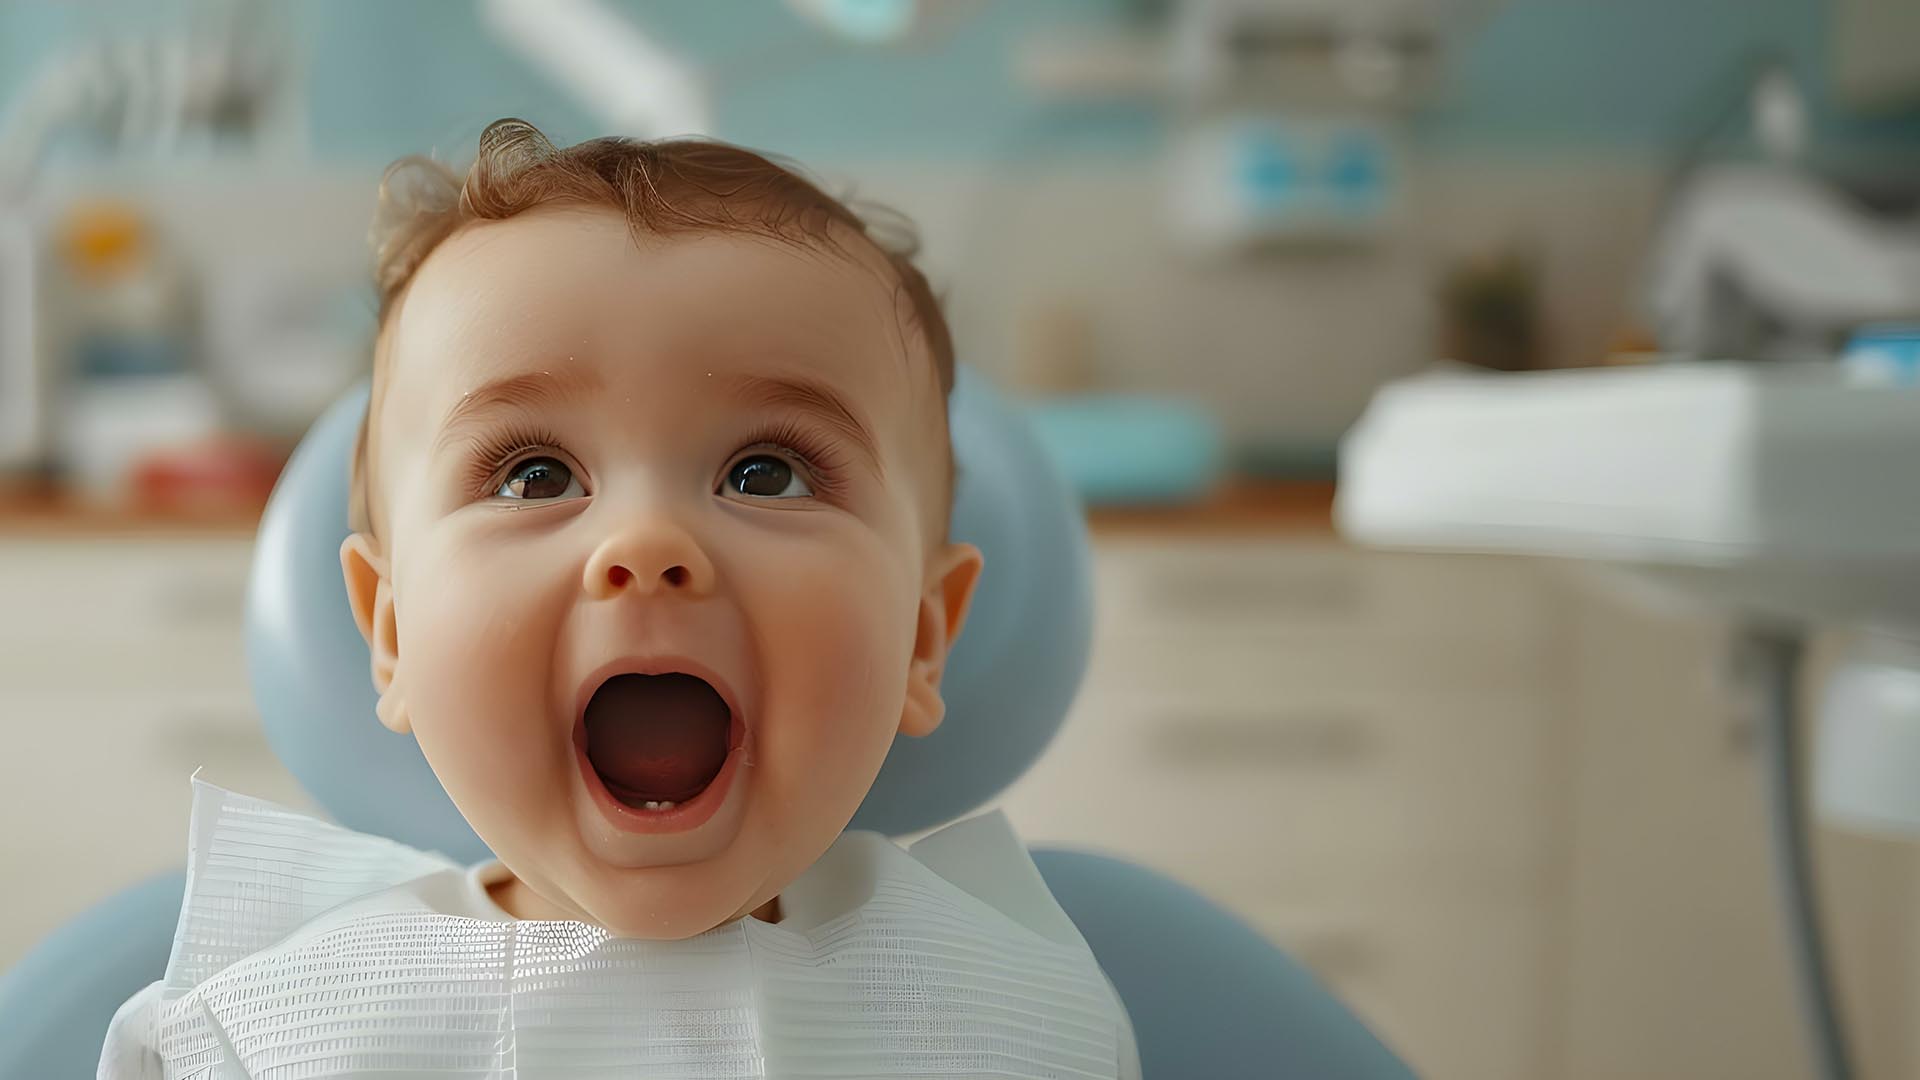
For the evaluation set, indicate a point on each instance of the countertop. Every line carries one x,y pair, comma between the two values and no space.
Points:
38,511
1239,506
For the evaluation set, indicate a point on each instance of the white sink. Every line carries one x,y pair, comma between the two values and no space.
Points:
1774,490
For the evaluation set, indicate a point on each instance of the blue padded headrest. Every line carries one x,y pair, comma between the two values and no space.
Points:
1008,684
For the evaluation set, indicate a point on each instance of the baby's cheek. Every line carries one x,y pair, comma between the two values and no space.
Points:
476,661
835,658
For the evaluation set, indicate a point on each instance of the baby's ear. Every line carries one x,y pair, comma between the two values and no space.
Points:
370,595
951,576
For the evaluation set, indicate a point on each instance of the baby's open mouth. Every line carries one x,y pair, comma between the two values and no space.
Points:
656,740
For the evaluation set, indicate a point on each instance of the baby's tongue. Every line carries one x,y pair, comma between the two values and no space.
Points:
656,738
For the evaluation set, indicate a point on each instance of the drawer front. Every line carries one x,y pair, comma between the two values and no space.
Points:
140,615
1331,785
156,661
1275,583
97,796
145,583
119,763
1280,663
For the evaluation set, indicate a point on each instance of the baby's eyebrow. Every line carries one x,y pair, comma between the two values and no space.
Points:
808,396
528,390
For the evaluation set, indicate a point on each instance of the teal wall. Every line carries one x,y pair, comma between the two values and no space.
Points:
1640,75
389,77
780,84
397,76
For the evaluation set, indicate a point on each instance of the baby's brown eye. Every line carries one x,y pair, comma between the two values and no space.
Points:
539,478
766,477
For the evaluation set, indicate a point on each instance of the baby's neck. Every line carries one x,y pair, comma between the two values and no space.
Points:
521,902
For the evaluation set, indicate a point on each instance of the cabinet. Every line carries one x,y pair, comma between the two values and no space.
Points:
1355,752
121,671
1508,813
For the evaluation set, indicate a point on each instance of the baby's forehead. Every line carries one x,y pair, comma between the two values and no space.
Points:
575,292
558,284
593,253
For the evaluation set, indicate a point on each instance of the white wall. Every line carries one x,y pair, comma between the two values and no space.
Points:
1286,345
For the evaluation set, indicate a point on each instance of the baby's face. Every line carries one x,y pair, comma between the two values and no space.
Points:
656,527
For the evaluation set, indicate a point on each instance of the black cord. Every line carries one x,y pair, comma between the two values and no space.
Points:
1772,659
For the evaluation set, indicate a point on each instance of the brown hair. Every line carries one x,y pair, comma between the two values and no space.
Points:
665,188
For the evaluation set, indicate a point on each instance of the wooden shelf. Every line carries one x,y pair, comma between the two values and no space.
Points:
35,510
1241,506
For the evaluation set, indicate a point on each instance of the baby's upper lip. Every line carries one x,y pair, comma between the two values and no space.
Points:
664,664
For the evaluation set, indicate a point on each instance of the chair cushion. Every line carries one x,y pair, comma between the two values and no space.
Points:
1207,995
56,1002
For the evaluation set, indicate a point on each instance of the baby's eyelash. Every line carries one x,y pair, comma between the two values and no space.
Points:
825,464
495,451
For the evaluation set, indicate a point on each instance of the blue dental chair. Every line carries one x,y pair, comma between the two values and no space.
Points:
1207,996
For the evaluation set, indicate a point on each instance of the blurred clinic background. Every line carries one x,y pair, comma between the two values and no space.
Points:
1496,419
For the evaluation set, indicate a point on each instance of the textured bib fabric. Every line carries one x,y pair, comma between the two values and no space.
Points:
292,960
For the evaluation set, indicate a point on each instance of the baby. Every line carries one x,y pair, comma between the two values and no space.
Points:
650,551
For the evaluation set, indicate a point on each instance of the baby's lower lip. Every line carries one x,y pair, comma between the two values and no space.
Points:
680,817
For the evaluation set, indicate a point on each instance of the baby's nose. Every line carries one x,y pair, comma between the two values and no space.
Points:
653,557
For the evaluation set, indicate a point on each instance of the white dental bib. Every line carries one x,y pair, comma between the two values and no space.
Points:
307,950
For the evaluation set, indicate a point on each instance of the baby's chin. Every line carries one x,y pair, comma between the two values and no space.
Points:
654,903
676,915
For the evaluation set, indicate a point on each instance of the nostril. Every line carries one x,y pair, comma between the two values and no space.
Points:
676,576
619,576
